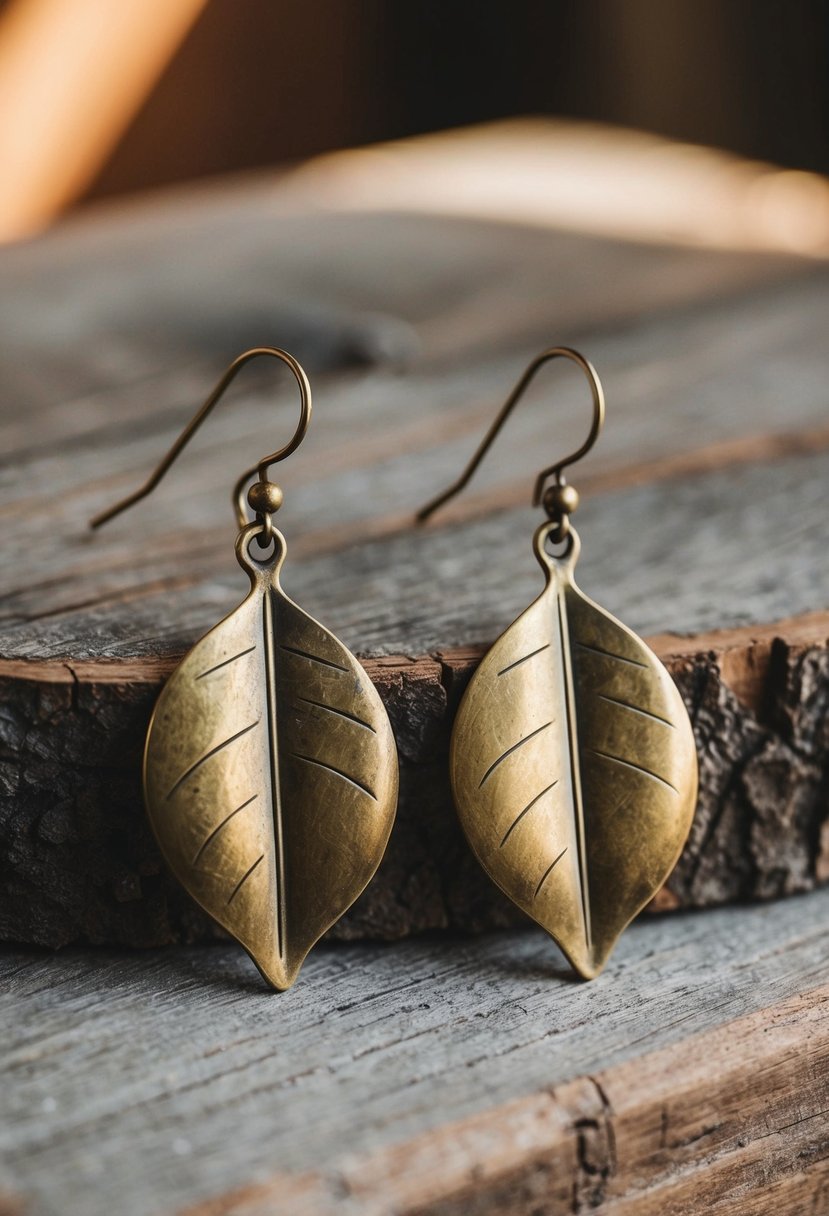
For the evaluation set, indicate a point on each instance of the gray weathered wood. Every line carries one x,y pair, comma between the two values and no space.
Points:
148,1082
669,413
733,547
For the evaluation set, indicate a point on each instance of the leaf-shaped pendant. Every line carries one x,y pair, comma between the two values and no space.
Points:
270,774
573,766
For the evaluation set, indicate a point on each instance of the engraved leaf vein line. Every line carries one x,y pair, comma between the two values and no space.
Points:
342,713
315,658
338,771
526,657
207,755
637,709
575,767
610,654
639,768
548,872
512,749
273,759
219,827
528,807
244,879
225,662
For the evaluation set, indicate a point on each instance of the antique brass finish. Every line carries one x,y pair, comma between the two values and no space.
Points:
270,769
573,766
573,763
270,773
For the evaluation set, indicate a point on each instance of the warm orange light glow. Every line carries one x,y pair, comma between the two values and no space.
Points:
584,177
72,75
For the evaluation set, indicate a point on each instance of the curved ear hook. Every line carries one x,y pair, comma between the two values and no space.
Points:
261,468
555,470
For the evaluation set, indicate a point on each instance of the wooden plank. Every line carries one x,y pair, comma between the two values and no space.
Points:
696,518
79,862
684,554
401,435
441,1076
649,1136
362,484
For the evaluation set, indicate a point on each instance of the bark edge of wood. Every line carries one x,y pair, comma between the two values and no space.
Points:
78,862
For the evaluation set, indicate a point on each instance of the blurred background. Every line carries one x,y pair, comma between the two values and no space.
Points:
108,97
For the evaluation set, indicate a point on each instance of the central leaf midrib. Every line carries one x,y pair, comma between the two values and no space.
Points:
571,718
269,651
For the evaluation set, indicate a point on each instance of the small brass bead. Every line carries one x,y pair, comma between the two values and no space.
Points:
265,497
560,500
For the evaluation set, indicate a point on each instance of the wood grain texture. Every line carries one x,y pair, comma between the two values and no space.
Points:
703,510
442,1076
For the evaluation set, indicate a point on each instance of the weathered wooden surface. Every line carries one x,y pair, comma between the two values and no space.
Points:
704,509
442,1075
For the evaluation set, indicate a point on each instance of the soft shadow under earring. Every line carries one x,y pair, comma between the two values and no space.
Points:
572,759
270,769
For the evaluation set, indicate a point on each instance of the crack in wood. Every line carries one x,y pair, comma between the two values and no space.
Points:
595,1153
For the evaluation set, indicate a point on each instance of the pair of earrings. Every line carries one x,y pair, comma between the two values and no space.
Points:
270,768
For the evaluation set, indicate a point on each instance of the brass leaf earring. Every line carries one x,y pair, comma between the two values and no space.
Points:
270,769
572,759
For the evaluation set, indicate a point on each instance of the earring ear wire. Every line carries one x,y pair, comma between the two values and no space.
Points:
260,496
558,504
